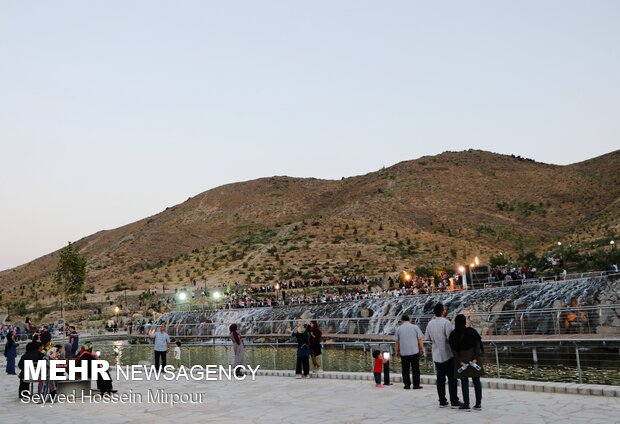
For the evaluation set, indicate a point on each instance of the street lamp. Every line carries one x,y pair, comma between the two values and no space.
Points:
116,309
277,288
561,253
463,276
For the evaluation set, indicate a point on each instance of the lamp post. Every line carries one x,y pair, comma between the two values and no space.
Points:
561,253
386,369
277,288
116,309
613,252
463,277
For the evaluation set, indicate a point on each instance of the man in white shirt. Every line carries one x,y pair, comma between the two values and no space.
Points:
409,344
161,342
438,331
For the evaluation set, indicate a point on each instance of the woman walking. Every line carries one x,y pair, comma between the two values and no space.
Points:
10,352
467,349
237,342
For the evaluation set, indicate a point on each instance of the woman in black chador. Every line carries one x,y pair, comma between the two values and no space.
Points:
467,349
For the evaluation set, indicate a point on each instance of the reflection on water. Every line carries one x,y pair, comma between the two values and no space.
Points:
356,359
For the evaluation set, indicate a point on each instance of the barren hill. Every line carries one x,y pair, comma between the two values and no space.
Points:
437,211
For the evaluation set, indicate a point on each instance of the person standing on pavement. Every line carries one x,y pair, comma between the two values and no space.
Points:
303,351
438,332
161,340
10,352
409,344
238,348
315,345
467,349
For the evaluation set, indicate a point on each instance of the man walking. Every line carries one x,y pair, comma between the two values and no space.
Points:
161,340
438,331
409,344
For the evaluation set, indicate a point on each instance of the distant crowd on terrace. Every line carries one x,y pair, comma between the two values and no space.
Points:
292,292
307,291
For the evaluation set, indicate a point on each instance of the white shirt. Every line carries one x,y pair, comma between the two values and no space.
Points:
438,331
177,353
407,335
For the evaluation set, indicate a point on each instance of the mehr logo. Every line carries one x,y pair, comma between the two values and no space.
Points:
58,370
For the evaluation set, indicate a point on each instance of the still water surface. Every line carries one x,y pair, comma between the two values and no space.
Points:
553,366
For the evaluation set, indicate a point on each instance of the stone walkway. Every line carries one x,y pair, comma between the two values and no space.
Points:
278,399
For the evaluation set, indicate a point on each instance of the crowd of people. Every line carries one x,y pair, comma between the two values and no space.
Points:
40,347
456,349
293,292
296,291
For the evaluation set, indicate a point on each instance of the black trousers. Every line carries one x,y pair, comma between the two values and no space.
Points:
443,370
24,390
160,355
411,362
302,363
477,390
377,377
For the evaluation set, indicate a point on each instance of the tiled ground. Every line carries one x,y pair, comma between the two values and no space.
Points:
272,399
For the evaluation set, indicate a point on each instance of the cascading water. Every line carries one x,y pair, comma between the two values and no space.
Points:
381,316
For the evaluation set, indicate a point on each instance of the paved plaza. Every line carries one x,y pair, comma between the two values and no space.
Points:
280,399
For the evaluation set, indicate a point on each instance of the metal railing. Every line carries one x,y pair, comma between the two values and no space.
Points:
574,362
527,324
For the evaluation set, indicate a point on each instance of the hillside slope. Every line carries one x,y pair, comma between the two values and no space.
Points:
434,211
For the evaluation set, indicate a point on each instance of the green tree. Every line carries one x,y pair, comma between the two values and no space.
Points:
71,273
498,260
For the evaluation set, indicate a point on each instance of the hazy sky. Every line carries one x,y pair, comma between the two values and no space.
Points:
112,110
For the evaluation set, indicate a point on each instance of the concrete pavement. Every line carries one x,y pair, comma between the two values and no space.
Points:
344,398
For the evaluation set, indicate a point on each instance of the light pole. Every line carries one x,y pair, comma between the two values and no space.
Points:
463,276
561,253
277,287
613,252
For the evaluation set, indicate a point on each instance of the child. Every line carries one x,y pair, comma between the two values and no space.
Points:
378,368
176,355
